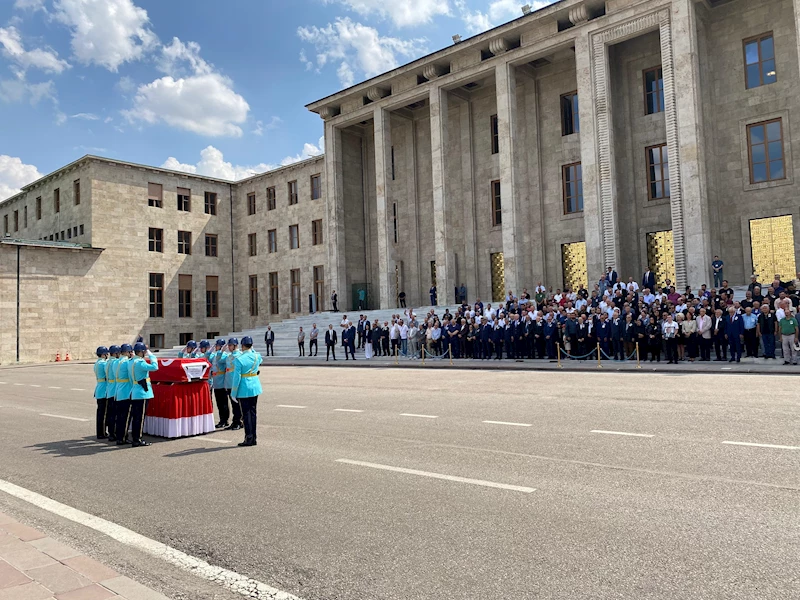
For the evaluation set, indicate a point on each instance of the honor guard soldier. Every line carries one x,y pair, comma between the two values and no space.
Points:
218,362
142,390
111,392
230,357
189,350
247,387
123,394
100,391
204,351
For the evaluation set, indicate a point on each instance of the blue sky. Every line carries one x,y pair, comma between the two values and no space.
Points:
204,86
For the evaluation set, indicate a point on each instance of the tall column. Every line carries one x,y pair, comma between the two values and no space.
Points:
445,259
468,199
506,89
383,174
797,26
334,204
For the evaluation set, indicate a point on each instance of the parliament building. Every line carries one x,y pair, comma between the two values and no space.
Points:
587,134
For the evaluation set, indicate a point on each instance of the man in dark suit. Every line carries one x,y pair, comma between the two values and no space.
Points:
486,338
360,331
718,335
349,341
610,278
649,280
330,343
269,340
734,333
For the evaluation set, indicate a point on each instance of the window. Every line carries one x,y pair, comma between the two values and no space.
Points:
156,294
653,91
497,212
69,234
184,296
5,224
184,242
155,195
573,188
75,231
316,232
184,199
319,285
212,335
155,239
62,236
316,187
657,172
253,295
211,203
184,338
251,204
570,120
16,220
294,237
76,191
495,135
272,240
81,229
292,192
156,340
25,217
271,198
273,293
252,244
295,278
759,61
394,220
56,200
765,143
211,244
39,208
212,296
392,152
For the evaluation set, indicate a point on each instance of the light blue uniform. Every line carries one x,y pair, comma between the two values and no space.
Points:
230,359
100,374
123,378
111,377
245,381
217,375
141,369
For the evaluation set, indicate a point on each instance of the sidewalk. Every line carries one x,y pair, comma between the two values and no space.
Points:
36,567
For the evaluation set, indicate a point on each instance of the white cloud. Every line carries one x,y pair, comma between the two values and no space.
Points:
38,58
14,174
106,32
357,46
21,90
85,117
403,13
126,85
261,127
176,53
309,150
29,4
499,12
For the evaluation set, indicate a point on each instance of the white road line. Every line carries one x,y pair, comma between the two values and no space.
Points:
763,445
646,435
231,580
3,383
53,387
19,384
34,385
77,389
419,416
507,423
62,417
491,484
289,406
353,410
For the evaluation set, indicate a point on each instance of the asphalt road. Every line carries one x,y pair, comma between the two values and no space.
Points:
319,508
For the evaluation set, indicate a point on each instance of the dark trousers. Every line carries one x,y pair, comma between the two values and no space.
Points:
655,350
705,348
735,344
486,349
720,347
751,342
312,347
237,410
138,408
498,347
551,347
270,349
619,349
351,349
672,350
691,345
102,408
123,412
769,345
402,302
221,396
395,346
302,348
335,305
330,350
249,410
111,418
385,346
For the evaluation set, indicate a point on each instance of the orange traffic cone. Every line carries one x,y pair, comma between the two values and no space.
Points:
67,358
58,357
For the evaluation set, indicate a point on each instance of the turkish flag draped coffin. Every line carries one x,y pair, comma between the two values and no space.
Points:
180,370
181,405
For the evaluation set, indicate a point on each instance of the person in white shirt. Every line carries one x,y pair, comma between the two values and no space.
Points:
670,332
580,303
344,320
648,297
632,286
403,331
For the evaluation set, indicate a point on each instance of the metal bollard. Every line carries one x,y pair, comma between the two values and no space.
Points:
599,364
558,354
638,363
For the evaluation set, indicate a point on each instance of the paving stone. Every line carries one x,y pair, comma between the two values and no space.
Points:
4,519
23,532
58,578
11,577
54,548
28,558
91,592
28,591
90,568
132,590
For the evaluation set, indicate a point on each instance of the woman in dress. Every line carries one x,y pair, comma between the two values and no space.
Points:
689,327
368,344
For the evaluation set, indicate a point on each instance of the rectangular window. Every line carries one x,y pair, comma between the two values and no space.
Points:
573,188
273,293
319,285
759,61
765,143
272,240
316,187
653,91
392,152
75,231
184,242
81,229
155,195
212,296
570,120
156,294
316,232
76,191
5,224
184,338
69,234
184,296
295,278
251,203
212,335
156,341
211,203
155,240
39,208
294,237
63,237
271,198
25,217
657,172
16,220
495,135
56,200
252,244
394,220
497,211
184,200
253,295
292,192
211,244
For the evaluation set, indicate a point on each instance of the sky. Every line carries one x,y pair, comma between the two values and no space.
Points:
202,86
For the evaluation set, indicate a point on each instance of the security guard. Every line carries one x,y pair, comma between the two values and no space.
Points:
247,387
111,392
189,350
218,361
230,357
142,390
100,391
123,394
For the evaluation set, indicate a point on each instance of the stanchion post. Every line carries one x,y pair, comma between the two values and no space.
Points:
558,354
450,351
395,355
638,364
423,355
599,364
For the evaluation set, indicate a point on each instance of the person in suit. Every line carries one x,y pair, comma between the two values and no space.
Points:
432,293
611,278
269,340
330,343
376,334
360,332
498,338
385,333
486,339
704,335
734,334
653,333
550,332
617,330
603,333
718,335
142,390
349,341
335,301
649,280
246,387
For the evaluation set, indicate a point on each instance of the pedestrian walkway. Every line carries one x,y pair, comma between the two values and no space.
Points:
36,567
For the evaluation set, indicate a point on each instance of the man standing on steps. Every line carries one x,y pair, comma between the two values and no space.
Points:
717,265
246,387
330,343
269,340
232,354
301,342
334,301
312,336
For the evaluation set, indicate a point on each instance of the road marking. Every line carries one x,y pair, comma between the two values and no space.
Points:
289,406
3,383
34,385
19,384
231,580
419,416
491,484
347,410
763,445
77,389
507,423
62,417
646,435
53,387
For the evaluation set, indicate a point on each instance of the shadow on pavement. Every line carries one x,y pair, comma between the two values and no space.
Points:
192,451
85,446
